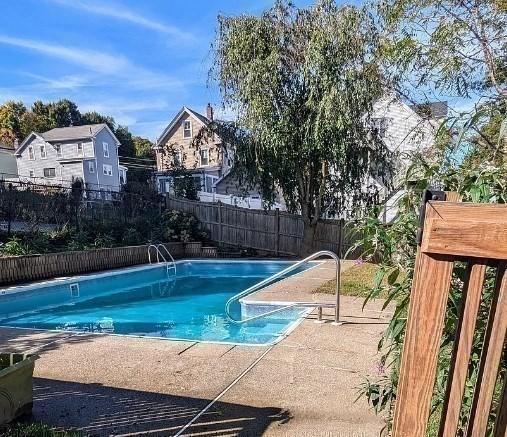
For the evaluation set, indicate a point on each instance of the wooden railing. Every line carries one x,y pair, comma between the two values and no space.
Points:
475,234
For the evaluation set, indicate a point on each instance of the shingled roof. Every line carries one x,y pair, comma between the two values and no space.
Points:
73,132
434,110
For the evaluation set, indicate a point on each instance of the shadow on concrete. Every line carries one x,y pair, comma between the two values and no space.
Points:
99,410
356,320
36,341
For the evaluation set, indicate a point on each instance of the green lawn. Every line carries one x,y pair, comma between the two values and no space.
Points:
358,281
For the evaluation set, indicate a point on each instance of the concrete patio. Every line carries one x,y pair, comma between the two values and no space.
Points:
305,385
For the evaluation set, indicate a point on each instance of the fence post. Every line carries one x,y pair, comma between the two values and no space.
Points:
219,222
340,238
277,231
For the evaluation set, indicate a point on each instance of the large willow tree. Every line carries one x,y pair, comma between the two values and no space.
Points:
302,83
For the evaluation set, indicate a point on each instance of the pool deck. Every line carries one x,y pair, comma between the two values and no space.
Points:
304,385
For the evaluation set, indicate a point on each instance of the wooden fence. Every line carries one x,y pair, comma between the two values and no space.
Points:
20,269
455,232
275,232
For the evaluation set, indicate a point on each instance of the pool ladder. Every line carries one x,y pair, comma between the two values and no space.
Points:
170,265
265,282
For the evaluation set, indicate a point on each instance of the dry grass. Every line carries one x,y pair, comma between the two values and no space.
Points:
355,281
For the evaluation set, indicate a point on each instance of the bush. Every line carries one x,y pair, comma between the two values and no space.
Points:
166,227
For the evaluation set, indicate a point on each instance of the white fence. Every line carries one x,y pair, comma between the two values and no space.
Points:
241,202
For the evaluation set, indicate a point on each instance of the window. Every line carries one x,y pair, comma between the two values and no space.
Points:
79,149
107,169
187,129
91,167
43,153
204,153
380,126
209,182
122,176
31,155
32,173
49,172
58,149
105,148
178,158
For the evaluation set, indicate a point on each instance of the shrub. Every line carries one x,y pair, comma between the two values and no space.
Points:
168,226
15,247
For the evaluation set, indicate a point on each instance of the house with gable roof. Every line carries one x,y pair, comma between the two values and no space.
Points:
62,155
174,148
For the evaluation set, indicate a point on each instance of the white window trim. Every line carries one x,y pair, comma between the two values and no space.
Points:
91,167
105,149
200,157
191,127
106,168
31,153
41,148
58,149
80,152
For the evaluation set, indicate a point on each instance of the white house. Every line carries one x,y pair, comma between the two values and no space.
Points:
61,155
405,130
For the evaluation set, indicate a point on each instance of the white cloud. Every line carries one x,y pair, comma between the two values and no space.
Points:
112,64
69,82
120,12
122,105
91,59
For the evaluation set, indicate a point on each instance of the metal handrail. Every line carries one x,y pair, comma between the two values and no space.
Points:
266,281
161,255
168,253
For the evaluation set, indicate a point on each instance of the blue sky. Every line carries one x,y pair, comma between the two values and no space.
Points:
137,61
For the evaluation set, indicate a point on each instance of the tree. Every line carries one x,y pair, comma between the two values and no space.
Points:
125,138
64,113
94,117
452,48
10,126
303,82
184,184
143,147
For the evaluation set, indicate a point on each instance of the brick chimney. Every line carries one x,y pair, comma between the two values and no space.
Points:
209,112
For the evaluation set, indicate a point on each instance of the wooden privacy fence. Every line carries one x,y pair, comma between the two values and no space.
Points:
271,231
19,269
475,234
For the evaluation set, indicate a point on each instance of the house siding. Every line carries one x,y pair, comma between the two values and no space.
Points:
190,154
110,182
25,165
70,171
406,131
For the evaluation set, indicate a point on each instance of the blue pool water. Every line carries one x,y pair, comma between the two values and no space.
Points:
149,302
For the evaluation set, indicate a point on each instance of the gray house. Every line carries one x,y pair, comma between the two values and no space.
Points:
8,167
61,155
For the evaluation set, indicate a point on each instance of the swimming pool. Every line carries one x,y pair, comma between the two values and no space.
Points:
151,301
